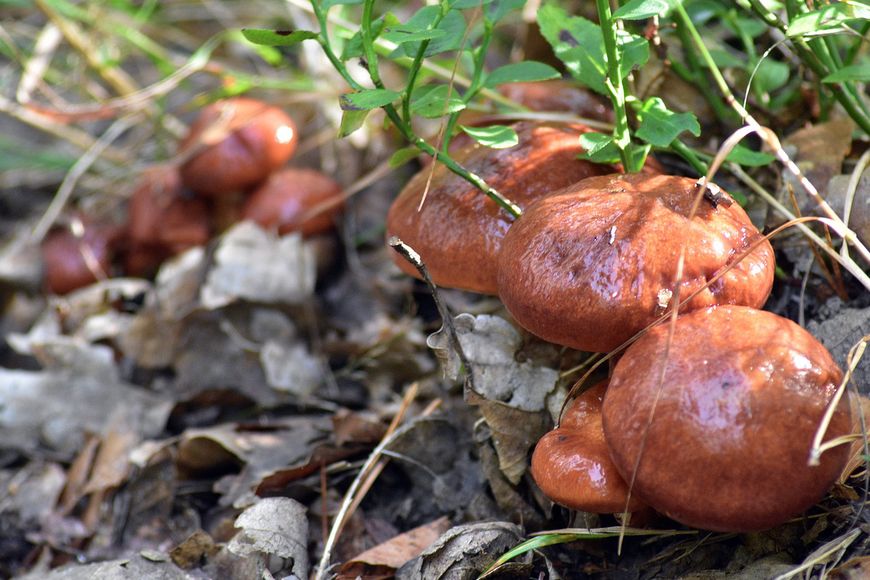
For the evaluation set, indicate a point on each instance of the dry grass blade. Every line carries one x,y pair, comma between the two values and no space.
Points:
829,553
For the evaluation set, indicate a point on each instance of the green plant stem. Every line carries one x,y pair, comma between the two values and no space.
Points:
368,43
415,70
856,46
405,128
689,155
846,97
613,82
475,86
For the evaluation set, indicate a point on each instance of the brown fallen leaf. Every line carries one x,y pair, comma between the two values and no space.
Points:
383,560
854,569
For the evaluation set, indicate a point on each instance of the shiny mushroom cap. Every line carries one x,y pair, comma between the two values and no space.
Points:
235,145
726,450
458,230
572,466
71,262
594,264
291,195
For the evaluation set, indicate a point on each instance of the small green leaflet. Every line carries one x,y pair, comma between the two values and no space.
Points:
599,147
578,43
745,156
855,72
521,72
659,126
403,155
452,26
493,136
831,16
367,100
351,121
641,9
771,75
434,101
277,37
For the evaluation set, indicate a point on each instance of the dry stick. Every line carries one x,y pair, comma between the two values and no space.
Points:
46,43
373,458
413,257
854,357
77,137
76,171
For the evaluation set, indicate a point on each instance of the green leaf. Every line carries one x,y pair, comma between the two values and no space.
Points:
499,8
724,59
856,72
635,51
432,101
521,72
351,121
771,75
660,126
367,100
353,48
578,43
599,148
831,16
641,9
466,4
267,37
402,156
452,25
402,34
493,136
743,155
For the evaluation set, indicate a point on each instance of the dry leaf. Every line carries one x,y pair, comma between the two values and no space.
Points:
383,560
274,526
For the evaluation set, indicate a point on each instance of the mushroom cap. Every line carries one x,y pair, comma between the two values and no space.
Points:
558,95
592,265
71,263
291,193
159,214
571,464
458,231
743,393
244,141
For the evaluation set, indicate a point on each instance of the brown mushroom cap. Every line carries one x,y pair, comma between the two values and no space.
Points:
743,393
71,262
592,265
289,195
244,140
571,464
458,231
161,221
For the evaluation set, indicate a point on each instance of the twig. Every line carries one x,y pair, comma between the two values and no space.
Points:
414,259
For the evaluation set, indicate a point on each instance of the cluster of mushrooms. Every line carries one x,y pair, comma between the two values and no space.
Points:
710,423
230,168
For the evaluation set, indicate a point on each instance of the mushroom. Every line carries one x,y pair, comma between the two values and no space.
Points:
289,196
457,229
572,466
592,265
73,261
162,221
715,425
243,140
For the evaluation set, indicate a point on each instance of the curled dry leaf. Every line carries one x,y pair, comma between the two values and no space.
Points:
463,552
144,566
819,151
258,266
275,526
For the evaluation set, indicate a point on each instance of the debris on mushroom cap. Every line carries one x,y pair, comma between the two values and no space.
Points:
742,396
161,221
558,95
291,195
72,262
572,466
458,230
586,267
242,141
